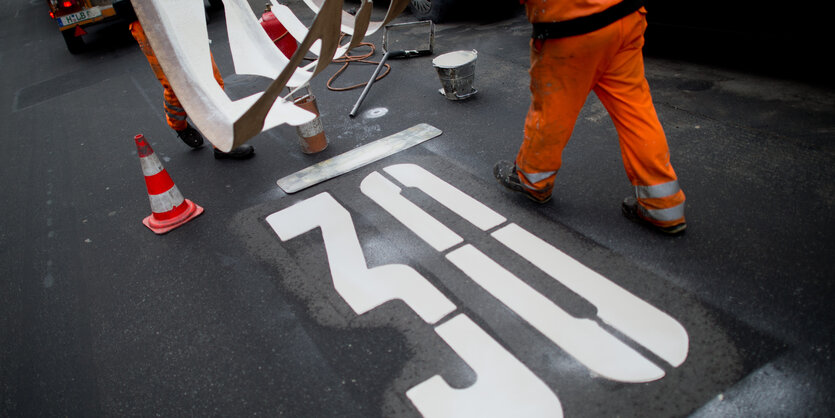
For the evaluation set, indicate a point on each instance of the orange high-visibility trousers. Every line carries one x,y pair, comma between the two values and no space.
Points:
175,115
609,62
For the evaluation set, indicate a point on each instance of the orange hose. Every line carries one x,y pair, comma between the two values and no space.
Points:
347,59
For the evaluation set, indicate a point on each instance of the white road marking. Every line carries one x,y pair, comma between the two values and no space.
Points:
362,288
629,314
632,316
583,339
462,204
505,387
387,195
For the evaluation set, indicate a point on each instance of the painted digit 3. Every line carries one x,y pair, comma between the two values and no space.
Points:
362,288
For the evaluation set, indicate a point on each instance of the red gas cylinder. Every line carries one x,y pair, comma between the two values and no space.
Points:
276,31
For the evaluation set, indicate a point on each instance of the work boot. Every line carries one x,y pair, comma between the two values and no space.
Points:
240,153
190,136
631,211
505,173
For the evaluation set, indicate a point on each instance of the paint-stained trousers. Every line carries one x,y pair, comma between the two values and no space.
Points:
609,62
175,115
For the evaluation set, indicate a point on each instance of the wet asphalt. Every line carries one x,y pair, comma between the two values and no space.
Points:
100,317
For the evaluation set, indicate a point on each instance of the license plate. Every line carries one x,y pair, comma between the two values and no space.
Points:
81,16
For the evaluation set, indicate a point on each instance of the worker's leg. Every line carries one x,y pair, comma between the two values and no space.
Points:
562,75
175,115
624,91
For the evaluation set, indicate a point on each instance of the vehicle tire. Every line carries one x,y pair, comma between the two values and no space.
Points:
434,10
75,44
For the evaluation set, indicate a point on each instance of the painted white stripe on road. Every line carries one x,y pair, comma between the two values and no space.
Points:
630,315
504,387
583,339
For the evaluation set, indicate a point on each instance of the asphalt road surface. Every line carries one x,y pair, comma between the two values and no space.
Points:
329,302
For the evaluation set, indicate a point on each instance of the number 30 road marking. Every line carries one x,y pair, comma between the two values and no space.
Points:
504,384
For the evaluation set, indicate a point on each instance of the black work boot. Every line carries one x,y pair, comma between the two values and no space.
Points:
240,153
505,173
630,209
190,136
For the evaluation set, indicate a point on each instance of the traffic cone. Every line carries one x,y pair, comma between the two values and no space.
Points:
169,209
311,134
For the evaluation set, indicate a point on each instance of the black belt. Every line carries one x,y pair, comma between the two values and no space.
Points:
586,24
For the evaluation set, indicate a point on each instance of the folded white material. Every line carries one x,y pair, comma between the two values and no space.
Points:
176,30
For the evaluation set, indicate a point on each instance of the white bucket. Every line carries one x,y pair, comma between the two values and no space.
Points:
457,71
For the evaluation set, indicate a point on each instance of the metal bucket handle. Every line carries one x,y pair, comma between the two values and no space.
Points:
460,96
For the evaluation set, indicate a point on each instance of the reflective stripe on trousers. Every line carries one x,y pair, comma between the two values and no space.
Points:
534,178
661,203
671,215
657,191
173,112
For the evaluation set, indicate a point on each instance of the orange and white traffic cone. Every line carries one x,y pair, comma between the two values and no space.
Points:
169,209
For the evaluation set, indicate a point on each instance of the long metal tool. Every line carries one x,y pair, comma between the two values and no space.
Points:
357,157
401,40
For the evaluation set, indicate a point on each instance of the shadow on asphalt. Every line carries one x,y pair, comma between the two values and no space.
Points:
792,56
